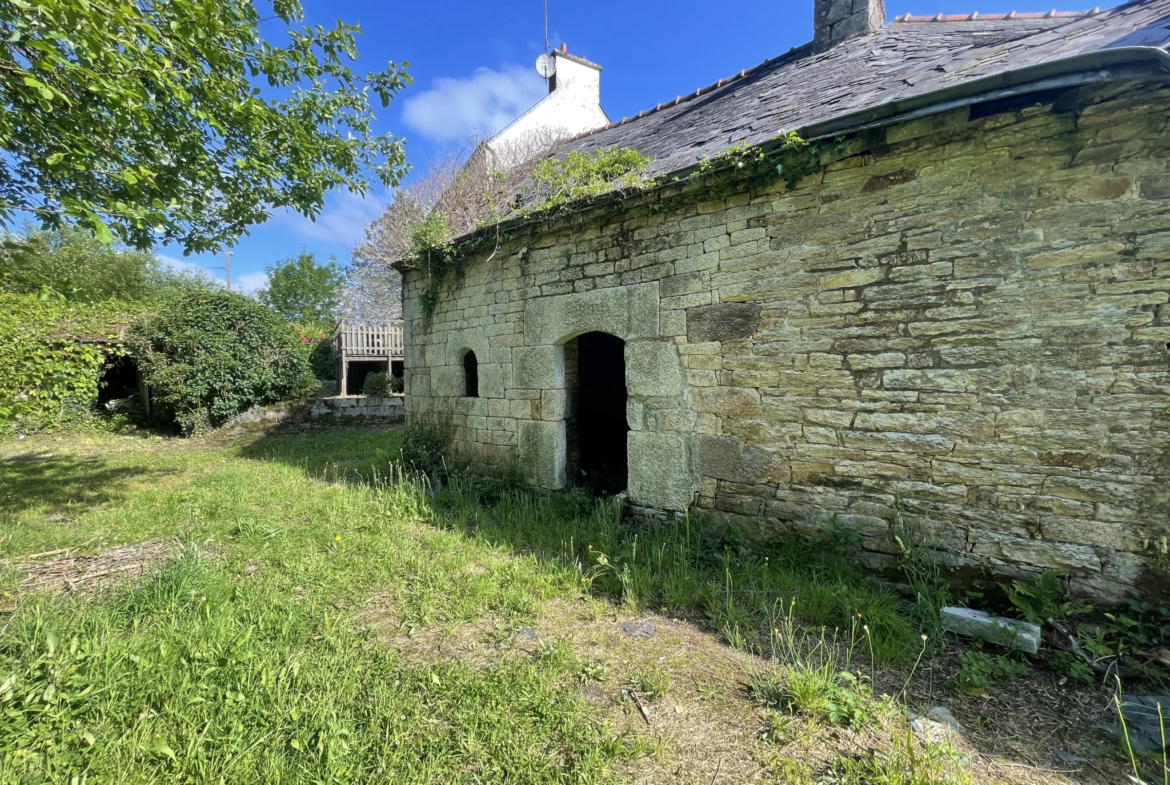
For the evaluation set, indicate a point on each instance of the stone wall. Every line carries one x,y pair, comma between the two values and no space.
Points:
337,409
958,324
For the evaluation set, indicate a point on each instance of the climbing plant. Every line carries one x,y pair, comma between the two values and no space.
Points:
788,156
578,180
47,375
555,183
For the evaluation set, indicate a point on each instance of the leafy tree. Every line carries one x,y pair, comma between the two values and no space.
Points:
143,119
72,263
209,355
303,291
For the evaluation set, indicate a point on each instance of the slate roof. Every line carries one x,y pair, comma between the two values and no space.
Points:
908,58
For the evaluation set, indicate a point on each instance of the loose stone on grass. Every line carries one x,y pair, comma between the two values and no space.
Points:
642,630
1012,633
934,722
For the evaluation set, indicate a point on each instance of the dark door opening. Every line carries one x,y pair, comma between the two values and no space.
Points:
358,371
597,422
119,379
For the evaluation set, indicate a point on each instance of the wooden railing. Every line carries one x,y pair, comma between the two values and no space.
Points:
368,339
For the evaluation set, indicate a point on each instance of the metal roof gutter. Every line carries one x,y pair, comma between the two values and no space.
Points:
1122,64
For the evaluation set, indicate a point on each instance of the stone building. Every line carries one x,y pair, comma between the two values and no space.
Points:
953,322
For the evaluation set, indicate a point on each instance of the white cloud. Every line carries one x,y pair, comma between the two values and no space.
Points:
343,221
182,265
246,283
455,108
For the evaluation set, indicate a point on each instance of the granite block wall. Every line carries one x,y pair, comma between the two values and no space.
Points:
960,325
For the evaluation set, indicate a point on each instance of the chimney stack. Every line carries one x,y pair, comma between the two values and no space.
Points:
835,21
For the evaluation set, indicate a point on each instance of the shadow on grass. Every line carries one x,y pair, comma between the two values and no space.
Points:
737,587
734,587
357,453
58,483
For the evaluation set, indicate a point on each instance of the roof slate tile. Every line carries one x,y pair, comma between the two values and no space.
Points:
905,59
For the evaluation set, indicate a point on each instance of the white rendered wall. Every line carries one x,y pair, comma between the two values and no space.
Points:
572,108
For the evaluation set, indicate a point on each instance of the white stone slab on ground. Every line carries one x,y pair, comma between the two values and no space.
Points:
1012,633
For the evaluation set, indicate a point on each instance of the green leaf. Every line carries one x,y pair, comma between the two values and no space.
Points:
286,147
103,233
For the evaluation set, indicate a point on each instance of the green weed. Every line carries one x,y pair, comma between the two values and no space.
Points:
814,676
905,761
654,683
979,670
1042,598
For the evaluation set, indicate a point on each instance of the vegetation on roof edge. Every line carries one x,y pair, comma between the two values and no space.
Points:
580,180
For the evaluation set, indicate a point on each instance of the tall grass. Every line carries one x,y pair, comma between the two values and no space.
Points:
208,674
684,567
195,677
905,761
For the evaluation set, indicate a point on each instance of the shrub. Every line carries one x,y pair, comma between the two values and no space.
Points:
397,385
376,385
323,359
211,355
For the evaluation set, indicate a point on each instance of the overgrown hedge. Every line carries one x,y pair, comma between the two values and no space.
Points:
47,376
209,355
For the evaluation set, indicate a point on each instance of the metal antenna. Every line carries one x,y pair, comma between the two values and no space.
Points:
546,25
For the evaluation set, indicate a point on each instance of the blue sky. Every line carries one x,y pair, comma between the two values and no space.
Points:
472,64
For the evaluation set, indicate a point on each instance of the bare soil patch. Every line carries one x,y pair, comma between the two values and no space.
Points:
708,728
1020,728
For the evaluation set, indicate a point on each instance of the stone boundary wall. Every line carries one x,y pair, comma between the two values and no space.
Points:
956,329
342,410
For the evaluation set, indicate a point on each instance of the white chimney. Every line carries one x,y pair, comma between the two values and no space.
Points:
575,76
572,106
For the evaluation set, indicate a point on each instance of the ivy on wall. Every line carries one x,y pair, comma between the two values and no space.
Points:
47,375
556,184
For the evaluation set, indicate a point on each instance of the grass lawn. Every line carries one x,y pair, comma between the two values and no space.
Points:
302,614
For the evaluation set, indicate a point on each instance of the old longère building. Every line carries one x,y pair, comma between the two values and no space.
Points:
953,325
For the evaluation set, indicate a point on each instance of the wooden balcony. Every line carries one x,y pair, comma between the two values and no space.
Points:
368,340
367,347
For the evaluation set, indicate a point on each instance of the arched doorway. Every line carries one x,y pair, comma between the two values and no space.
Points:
595,378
